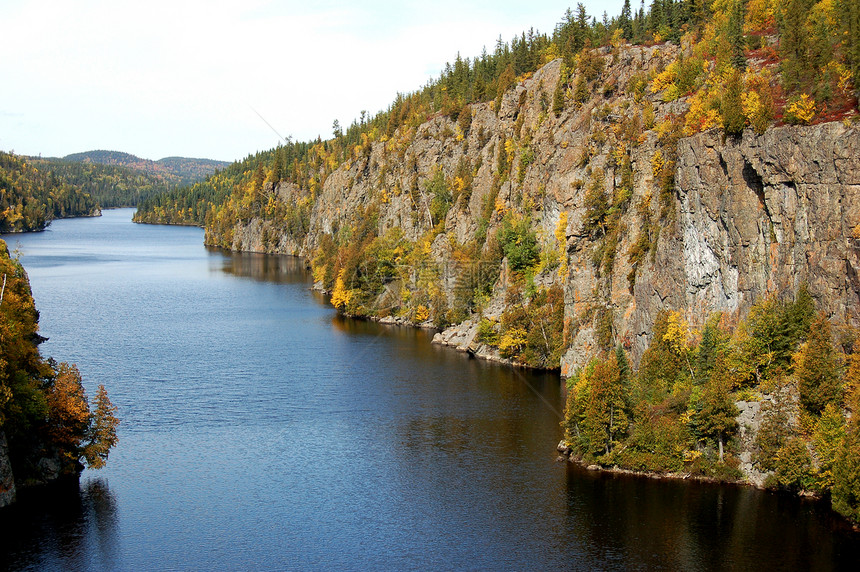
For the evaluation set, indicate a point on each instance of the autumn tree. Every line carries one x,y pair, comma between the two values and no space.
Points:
72,428
665,363
598,409
101,434
817,368
68,412
717,417
828,439
846,466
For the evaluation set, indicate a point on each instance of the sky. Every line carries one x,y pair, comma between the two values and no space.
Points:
223,79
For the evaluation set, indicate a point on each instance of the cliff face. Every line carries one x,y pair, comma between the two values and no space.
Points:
754,216
739,219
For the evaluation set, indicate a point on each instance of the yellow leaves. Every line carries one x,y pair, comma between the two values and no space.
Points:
458,133
822,13
665,79
619,153
512,340
500,205
663,128
690,455
340,296
422,313
331,162
510,146
561,228
550,53
657,163
843,75
759,15
561,237
701,116
319,272
459,184
751,105
802,110
617,39
677,333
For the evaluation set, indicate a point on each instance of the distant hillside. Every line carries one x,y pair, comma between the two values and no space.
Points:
176,171
110,186
31,197
191,170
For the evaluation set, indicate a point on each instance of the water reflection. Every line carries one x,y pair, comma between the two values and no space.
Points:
648,523
278,269
68,526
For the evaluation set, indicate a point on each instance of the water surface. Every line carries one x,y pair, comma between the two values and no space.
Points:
261,431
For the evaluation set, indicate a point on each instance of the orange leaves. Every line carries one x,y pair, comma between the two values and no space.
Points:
102,434
68,410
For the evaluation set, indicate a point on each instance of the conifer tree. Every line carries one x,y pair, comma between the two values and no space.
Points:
625,21
735,34
731,108
846,467
793,41
102,431
816,367
277,167
849,16
717,418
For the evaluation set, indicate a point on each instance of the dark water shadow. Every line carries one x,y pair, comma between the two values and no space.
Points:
638,522
63,526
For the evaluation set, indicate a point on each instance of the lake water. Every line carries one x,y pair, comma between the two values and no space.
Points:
261,431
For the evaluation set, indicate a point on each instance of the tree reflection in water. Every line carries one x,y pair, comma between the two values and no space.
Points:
68,525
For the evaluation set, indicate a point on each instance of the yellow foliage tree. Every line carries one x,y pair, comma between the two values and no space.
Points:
802,110
340,296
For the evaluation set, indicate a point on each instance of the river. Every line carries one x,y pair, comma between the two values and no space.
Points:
261,431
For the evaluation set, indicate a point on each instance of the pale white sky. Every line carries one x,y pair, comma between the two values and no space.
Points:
169,77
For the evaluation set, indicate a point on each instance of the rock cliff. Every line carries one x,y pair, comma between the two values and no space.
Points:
697,223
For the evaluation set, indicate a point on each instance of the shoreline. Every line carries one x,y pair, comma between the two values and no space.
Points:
565,455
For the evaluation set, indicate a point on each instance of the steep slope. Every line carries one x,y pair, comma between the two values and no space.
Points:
739,217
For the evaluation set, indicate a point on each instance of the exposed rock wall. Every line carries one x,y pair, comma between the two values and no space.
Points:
748,216
755,216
